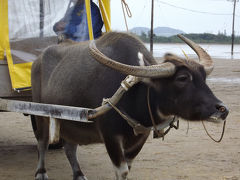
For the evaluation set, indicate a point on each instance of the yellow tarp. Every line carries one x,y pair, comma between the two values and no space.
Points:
106,15
20,74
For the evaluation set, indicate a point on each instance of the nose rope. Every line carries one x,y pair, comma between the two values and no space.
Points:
223,130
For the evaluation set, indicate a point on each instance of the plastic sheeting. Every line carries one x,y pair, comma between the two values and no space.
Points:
24,17
27,29
21,36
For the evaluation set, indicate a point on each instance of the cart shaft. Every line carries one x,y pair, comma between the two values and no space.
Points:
48,110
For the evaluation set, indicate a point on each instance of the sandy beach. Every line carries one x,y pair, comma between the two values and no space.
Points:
181,156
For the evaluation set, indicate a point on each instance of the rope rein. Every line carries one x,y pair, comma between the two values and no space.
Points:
159,133
223,130
127,9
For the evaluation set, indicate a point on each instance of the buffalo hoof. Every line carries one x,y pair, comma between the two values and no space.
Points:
80,178
55,146
41,176
123,176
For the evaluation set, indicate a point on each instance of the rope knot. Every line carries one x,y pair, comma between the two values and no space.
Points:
129,82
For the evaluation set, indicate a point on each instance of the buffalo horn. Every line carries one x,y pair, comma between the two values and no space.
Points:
154,71
203,56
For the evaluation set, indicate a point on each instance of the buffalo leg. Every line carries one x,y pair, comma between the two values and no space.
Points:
115,151
42,135
71,153
133,146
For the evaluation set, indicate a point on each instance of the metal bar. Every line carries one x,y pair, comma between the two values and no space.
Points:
48,110
151,31
41,16
234,7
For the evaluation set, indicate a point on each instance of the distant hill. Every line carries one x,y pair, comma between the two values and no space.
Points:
166,31
139,30
159,31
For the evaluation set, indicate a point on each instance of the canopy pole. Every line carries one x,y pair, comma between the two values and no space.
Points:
41,16
89,19
151,33
105,10
234,7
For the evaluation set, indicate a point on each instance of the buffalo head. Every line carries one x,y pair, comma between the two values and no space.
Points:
178,85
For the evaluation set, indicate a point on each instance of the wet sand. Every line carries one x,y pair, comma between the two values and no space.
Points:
180,156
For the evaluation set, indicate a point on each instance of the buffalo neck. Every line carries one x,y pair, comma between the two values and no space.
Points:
135,104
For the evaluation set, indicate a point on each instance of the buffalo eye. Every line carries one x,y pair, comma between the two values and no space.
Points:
182,79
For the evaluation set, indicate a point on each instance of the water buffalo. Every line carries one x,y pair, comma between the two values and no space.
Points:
82,74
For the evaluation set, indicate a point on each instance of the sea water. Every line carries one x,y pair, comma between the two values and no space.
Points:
222,51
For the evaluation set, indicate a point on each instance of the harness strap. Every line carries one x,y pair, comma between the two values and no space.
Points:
110,103
137,127
159,130
171,125
126,84
159,133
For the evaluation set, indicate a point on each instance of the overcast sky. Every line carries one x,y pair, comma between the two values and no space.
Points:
190,16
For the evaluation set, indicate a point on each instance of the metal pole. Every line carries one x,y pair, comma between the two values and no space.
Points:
151,33
41,25
234,7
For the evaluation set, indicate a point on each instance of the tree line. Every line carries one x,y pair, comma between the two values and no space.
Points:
198,38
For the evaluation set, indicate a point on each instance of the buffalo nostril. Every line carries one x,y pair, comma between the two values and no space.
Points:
222,109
